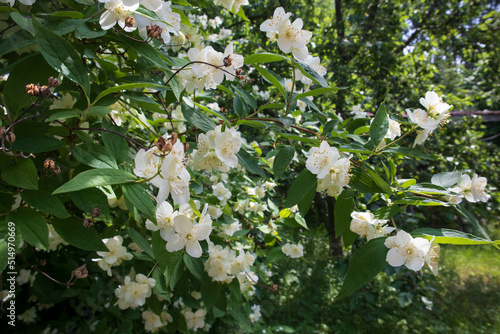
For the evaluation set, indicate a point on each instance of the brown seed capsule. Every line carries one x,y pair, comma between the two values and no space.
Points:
53,82
87,222
228,61
96,212
49,164
10,137
186,147
154,31
173,138
129,22
238,71
56,170
45,91
161,143
168,147
42,262
274,287
33,90
3,131
81,272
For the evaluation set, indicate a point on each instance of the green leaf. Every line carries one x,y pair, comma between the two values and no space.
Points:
74,233
94,155
262,58
128,86
195,267
37,144
246,96
249,163
342,211
62,114
141,241
32,226
380,125
415,200
315,92
300,188
4,255
451,237
94,178
470,217
23,174
386,212
117,145
210,292
362,182
98,111
238,107
282,161
140,199
274,255
379,181
366,263
213,112
42,200
171,264
273,78
88,199
411,152
23,22
197,118
300,220
309,72
61,56
306,202
446,180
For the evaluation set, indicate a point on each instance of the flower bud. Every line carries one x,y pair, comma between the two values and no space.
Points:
81,272
88,222
49,164
53,82
129,22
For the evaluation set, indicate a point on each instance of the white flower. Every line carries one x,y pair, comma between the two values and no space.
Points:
255,315
133,294
322,159
146,163
116,255
28,316
474,190
272,24
358,113
54,238
175,178
364,224
195,320
404,249
292,250
117,11
152,321
165,220
431,258
24,276
188,235
435,106
221,192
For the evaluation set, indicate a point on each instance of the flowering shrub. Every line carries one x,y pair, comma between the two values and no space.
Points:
141,155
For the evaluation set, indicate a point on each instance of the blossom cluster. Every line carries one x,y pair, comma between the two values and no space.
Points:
223,265
133,294
365,225
294,251
116,255
332,170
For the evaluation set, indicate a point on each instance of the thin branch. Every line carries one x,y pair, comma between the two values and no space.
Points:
116,133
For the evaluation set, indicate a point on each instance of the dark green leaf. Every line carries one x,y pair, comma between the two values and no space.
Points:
300,188
452,237
274,255
94,178
210,292
42,200
141,241
273,78
380,125
249,163
4,255
363,182
32,226
73,232
386,212
306,202
366,263
470,217
282,161
94,155
37,144
379,181
246,96
238,107
61,56
195,267
309,72
88,199
140,199
342,211
117,145
128,86
197,118
23,174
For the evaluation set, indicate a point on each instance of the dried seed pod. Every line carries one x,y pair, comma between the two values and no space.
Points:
228,61
173,138
129,22
96,212
81,272
154,31
161,144
186,147
56,170
49,164
10,137
274,287
168,147
3,131
33,90
238,71
53,82
88,222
